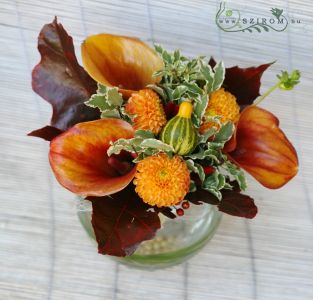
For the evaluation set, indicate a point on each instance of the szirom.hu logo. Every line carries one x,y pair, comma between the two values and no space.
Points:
234,20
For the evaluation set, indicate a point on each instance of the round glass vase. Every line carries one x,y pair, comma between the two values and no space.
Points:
176,241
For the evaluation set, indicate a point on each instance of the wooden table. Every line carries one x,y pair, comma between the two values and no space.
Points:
45,254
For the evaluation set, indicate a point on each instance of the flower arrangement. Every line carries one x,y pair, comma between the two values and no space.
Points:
142,132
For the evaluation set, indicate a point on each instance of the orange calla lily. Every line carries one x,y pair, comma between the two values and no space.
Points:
120,61
79,159
262,149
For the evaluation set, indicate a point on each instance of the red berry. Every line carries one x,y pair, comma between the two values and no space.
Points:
185,205
180,212
208,170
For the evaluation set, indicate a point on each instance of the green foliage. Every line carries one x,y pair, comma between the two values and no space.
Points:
237,174
210,155
211,151
109,101
225,133
184,78
192,187
144,134
219,75
286,81
203,138
156,144
158,90
214,183
199,110
144,144
196,168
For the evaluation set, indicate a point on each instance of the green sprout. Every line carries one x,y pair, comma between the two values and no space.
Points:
286,82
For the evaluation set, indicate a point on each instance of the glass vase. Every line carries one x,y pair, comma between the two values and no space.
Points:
176,241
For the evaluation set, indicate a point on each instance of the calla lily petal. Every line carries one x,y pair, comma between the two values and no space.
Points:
79,159
263,150
120,61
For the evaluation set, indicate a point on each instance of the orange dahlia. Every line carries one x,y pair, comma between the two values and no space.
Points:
223,104
162,181
147,109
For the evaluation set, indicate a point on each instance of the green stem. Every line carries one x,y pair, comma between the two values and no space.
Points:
262,97
134,149
120,113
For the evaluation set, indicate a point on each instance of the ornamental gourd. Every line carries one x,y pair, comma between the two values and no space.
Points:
179,132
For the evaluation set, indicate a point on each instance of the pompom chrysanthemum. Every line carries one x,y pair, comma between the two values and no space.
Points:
162,181
147,109
223,104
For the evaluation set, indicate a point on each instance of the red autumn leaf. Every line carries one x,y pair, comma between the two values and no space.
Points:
202,196
233,202
122,221
79,159
60,80
47,133
236,204
262,149
244,83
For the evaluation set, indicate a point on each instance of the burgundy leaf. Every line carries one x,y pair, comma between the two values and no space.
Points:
233,202
244,83
47,133
237,204
235,185
122,221
212,62
201,196
60,80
